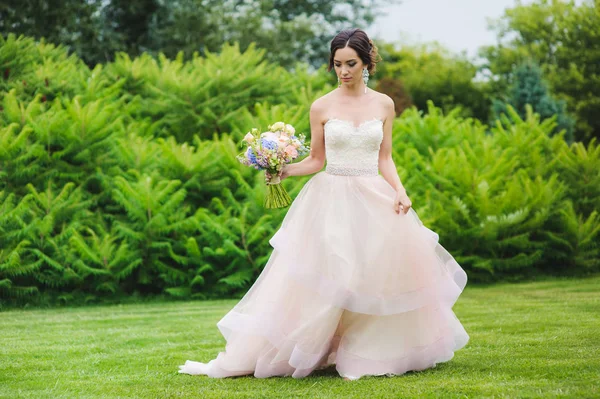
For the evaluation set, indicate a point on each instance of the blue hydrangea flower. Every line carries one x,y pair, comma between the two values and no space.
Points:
268,144
251,155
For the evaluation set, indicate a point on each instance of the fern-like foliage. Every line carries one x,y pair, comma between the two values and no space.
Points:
580,168
102,257
155,227
54,217
36,233
574,245
199,167
202,96
124,180
33,67
13,265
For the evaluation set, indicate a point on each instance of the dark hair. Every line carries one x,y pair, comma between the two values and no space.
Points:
358,40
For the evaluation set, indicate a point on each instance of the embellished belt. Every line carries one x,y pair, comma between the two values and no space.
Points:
352,171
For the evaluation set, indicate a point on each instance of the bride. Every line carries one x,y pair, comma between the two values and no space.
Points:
355,279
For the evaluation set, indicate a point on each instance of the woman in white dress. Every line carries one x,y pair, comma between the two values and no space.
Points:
355,278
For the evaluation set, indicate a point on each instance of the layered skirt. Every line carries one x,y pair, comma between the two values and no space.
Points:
350,282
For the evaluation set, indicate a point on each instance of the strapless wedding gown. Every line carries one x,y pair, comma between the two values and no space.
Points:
349,282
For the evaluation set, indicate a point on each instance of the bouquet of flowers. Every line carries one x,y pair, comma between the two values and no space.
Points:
270,151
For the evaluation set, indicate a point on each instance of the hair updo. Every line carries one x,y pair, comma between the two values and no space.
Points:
358,40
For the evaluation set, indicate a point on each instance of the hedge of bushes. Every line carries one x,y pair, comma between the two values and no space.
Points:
122,180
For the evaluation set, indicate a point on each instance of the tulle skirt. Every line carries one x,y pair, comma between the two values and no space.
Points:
349,282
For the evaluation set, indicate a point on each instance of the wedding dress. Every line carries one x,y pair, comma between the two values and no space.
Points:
349,282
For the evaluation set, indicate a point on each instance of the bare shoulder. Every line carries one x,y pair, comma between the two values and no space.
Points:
386,104
319,107
323,101
386,101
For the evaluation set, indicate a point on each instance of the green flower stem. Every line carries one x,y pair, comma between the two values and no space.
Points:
277,197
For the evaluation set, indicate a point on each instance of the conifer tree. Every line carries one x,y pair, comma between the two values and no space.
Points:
529,87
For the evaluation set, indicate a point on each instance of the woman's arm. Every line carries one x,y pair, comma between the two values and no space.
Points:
386,163
315,161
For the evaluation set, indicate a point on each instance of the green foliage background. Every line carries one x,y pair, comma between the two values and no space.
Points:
559,35
431,72
122,179
529,88
562,37
94,30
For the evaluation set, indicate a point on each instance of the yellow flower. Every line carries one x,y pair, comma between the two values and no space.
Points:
277,126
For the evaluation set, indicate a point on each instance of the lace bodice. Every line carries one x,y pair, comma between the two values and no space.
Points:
353,150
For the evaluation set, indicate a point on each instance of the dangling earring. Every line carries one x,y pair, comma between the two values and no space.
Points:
339,82
365,78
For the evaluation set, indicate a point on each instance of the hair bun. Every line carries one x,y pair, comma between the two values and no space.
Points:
374,55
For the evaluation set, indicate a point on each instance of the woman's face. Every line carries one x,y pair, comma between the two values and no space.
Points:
348,65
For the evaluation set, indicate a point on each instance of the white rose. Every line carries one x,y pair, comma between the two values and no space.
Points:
248,138
269,136
290,129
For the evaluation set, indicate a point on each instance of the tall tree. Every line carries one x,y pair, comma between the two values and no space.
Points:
431,72
130,20
290,30
70,22
396,90
529,87
563,38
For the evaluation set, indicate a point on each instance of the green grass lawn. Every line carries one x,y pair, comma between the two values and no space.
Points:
539,339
